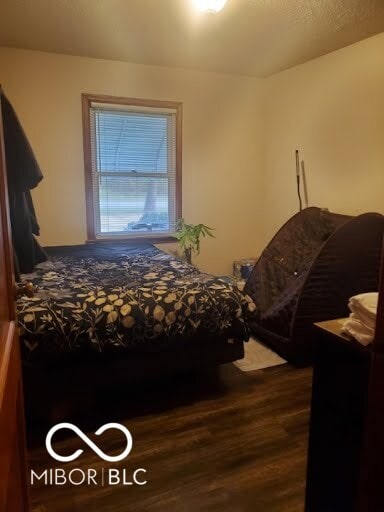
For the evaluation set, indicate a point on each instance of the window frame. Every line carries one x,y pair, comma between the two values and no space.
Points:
87,101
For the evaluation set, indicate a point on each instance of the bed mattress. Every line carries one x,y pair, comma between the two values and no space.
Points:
117,297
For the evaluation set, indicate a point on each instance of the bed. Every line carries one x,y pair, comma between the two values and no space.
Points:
102,311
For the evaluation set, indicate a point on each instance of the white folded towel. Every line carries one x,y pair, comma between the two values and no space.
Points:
364,306
358,330
361,323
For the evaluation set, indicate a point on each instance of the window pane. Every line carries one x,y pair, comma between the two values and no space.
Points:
134,174
134,205
131,142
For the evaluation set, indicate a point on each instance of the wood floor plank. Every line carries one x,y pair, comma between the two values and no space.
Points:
234,443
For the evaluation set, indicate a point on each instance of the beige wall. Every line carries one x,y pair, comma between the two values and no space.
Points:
239,138
332,110
222,151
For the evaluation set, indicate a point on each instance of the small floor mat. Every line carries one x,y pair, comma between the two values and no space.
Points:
257,356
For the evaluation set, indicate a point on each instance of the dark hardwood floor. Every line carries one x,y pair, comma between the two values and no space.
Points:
230,442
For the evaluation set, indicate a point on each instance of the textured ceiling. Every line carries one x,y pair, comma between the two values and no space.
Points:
253,37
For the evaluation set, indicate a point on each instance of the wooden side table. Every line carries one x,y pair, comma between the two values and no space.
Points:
338,411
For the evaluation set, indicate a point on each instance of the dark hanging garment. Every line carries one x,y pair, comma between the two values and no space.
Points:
23,174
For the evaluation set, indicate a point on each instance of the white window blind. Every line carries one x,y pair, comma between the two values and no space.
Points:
133,170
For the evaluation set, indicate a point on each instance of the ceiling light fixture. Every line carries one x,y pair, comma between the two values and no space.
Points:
209,5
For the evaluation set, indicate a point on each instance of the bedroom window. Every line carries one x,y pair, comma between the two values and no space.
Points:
132,167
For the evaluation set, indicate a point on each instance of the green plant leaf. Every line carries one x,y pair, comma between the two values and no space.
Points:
189,236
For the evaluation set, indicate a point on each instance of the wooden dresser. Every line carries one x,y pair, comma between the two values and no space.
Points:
345,471
339,401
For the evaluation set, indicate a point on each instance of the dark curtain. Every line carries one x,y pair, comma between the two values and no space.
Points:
23,174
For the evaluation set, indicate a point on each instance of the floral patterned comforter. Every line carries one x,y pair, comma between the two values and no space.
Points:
113,296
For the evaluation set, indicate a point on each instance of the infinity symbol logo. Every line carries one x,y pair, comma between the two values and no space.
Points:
89,442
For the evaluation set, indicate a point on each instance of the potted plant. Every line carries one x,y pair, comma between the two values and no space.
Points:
189,236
